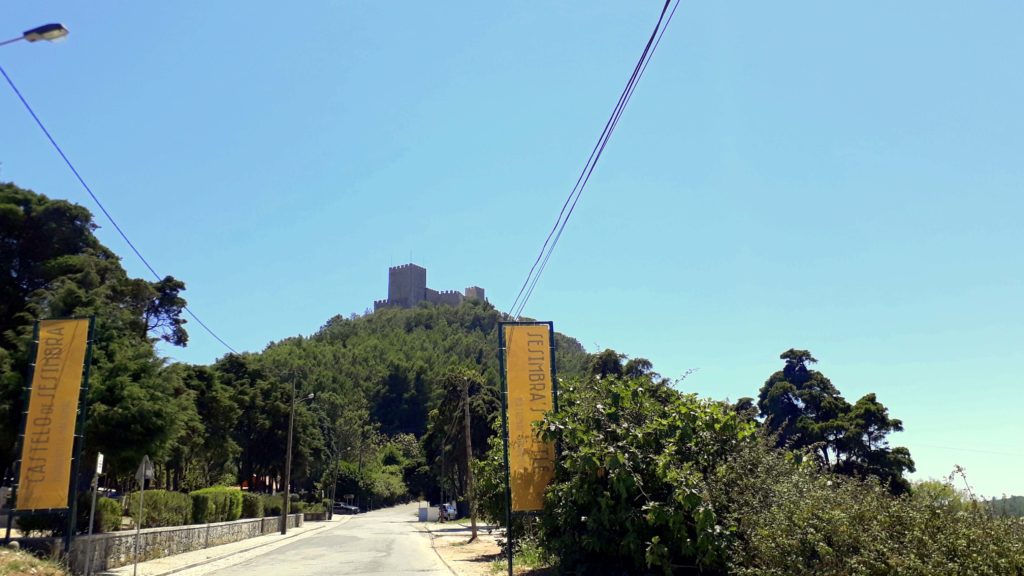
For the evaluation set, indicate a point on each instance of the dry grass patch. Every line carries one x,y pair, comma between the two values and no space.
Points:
20,563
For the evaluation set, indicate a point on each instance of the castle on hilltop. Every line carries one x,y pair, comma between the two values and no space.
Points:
407,287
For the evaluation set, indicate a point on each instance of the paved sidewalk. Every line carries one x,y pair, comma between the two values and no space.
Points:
203,561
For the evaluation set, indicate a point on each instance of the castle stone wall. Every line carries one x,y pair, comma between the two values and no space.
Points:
449,297
407,287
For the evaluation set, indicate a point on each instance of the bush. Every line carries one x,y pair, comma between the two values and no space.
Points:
216,504
629,494
272,504
161,508
202,508
108,513
40,525
252,505
489,476
794,519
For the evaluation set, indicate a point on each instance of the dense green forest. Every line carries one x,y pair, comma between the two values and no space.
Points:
650,479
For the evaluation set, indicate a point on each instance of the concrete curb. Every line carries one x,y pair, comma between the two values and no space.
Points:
430,534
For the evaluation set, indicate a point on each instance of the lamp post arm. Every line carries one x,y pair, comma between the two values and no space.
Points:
12,40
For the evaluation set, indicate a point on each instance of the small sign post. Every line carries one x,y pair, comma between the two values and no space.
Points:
92,510
145,472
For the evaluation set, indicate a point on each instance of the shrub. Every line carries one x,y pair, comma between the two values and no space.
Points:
40,525
108,515
489,476
629,494
161,508
794,519
252,505
216,504
108,518
272,504
203,508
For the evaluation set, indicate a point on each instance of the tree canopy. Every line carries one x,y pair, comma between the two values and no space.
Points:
806,412
55,267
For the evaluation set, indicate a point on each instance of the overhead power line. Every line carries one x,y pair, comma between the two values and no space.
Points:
541,262
100,204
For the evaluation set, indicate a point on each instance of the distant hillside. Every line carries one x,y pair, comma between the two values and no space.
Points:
1007,506
396,353
374,380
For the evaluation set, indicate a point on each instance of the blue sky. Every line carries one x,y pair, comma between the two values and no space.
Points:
843,178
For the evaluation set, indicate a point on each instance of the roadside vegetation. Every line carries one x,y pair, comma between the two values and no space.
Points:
651,480
21,563
793,480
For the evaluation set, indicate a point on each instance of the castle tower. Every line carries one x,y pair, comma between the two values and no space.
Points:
407,285
476,292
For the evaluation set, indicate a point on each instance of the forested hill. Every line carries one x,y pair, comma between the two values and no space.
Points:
393,357
376,382
1007,506
374,378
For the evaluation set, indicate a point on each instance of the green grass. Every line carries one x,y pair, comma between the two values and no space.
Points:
529,561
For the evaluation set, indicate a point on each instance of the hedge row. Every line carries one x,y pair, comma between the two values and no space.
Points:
252,505
160,508
216,504
164,508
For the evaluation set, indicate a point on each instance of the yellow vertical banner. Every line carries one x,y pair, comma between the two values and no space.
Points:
530,393
49,438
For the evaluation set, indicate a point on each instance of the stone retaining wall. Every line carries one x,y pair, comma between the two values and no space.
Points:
116,549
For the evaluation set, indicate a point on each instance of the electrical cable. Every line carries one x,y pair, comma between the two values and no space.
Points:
540,263
602,145
100,204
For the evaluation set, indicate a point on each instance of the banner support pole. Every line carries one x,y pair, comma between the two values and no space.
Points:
83,407
504,427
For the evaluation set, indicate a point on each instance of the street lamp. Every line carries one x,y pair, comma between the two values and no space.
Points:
48,32
285,507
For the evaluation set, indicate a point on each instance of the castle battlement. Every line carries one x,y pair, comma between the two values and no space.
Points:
407,287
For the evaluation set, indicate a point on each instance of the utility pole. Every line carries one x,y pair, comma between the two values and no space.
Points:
469,458
286,505
288,466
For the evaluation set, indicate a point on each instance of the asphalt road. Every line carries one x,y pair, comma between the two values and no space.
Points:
379,542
